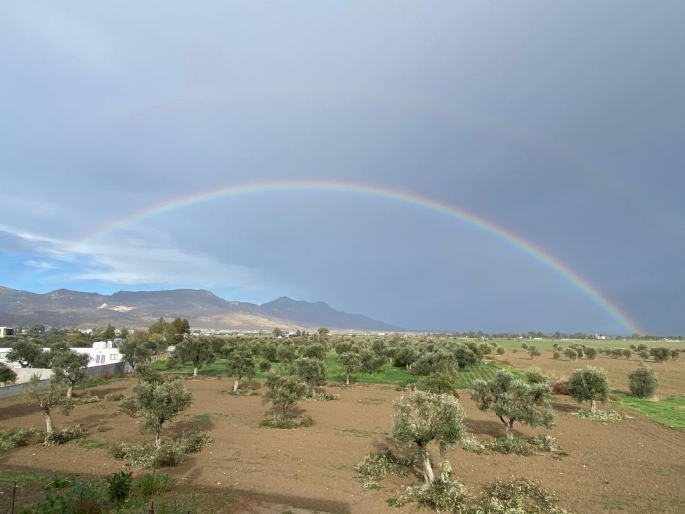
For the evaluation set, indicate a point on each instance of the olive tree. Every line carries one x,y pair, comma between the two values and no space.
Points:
591,353
240,363
135,351
311,371
70,367
27,354
426,417
659,353
196,350
158,402
440,383
533,352
571,353
351,362
47,398
284,390
7,374
642,381
514,400
588,385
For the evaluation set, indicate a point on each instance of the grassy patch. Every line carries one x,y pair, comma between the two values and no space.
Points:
202,417
90,444
22,477
669,411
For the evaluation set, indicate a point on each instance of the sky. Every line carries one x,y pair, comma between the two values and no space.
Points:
561,125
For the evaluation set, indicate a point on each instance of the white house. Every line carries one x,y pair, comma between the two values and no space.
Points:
102,352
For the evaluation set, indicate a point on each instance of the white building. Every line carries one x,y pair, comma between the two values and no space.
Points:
102,352
6,331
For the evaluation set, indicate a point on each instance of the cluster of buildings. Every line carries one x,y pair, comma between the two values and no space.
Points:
100,354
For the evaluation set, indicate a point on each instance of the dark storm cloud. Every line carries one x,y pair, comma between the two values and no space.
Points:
563,124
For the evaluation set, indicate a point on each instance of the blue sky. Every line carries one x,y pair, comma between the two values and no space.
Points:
561,123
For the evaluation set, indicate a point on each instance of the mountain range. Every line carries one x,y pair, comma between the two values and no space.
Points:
203,309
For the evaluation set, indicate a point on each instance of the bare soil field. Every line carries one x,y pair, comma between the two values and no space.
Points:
671,373
633,466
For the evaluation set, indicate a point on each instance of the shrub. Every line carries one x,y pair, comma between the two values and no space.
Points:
544,442
501,350
643,382
64,436
674,354
170,453
517,445
114,397
471,444
600,415
517,496
376,466
560,387
324,397
556,355
644,354
442,495
16,437
288,423
85,399
119,486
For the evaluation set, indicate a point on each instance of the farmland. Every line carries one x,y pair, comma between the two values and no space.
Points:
633,465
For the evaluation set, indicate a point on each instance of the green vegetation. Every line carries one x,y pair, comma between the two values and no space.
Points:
668,411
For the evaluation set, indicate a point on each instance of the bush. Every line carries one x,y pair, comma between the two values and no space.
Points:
600,415
7,374
501,350
16,437
571,353
560,387
170,453
660,354
376,466
517,496
119,486
324,397
471,444
556,355
643,382
87,398
114,397
288,423
545,442
65,435
443,495
591,353
517,446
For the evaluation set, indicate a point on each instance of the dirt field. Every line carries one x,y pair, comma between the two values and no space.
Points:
671,373
634,466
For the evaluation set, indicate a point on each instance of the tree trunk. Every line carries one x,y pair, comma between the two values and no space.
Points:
347,379
593,405
48,422
235,385
158,437
195,371
428,475
509,428
70,390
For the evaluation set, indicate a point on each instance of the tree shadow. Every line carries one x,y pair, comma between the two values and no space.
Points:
487,427
187,425
565,407
293,412
18,410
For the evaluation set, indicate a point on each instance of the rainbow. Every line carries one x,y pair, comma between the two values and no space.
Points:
377,192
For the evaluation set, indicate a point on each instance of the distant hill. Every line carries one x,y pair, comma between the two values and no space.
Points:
66,308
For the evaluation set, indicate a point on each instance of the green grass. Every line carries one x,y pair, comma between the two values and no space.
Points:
546,344
22,477
388,374
669,411
202,417
89,444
